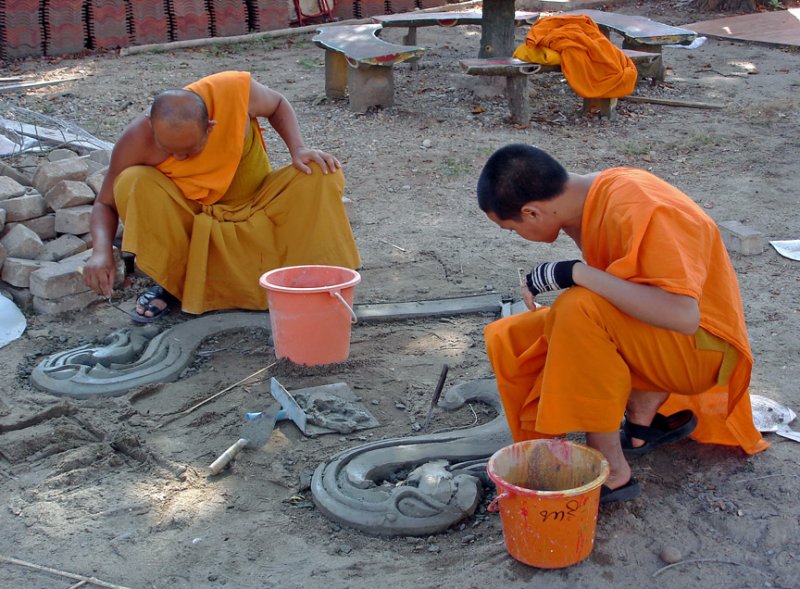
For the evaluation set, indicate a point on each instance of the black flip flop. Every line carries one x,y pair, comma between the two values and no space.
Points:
663,430
145,300
628,491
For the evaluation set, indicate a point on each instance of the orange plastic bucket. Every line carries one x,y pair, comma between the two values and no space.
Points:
548,492
310,312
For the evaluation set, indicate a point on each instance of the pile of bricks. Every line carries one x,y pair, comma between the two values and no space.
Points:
20,29
44,231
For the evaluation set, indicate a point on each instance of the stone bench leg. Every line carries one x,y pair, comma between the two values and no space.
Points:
518,103
606,106
336,72
370,85
657,68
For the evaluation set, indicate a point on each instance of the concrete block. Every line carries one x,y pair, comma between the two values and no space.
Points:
22,242
69,193
17,271
60,154
95,181
742,238
44,226
6,170
74,220
48,174
22,296
57,280
9,188
72,302
3,255
22,208
2,219
63,247
101,156
93,165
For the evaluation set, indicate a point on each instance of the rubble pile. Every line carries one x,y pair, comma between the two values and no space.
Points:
44,229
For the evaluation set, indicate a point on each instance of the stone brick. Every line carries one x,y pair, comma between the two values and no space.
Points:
95,181
22,242
101,156
22,296
2,219
93,165
6,170
22,208
69,193
44,226
741,238
72,302
17,271
74,220
60,154
63,247
48,174
9,188
3,254
65,278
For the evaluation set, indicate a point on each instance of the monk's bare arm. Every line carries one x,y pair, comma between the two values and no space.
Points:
648,304
133,148
266,103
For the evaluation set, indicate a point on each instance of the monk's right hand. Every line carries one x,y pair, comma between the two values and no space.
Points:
99,273
528,299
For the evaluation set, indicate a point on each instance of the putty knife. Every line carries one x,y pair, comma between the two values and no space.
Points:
254,434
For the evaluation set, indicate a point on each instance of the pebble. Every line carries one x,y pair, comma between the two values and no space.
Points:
426,143
670,555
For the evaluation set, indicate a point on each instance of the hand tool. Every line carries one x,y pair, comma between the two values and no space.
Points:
254,434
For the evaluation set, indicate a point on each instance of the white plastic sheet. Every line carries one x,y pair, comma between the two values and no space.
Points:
788,249
12,321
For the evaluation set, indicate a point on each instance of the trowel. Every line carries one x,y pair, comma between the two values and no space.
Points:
255,433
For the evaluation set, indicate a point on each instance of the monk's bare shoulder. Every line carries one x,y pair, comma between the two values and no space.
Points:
136,146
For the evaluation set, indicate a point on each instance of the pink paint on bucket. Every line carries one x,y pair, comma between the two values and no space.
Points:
548,492
310,312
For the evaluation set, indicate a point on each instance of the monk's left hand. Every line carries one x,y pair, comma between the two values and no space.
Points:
304,156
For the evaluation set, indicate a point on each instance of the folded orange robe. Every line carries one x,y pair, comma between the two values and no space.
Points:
572,367
206,228
593,66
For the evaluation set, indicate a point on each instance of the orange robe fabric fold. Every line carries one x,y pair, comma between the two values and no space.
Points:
571,367
593,66
210,249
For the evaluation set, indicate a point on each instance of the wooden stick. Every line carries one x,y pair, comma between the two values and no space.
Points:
669,102
26,85
699,560
72,576
214,396
393,245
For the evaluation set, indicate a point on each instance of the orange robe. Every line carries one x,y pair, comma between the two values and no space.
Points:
571,367
206,228
593,66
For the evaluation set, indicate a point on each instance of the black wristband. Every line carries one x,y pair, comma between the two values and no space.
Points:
551,276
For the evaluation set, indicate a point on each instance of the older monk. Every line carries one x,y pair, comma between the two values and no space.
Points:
204,212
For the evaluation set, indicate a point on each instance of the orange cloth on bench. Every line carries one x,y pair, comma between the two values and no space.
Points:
237,219
593,66
571,367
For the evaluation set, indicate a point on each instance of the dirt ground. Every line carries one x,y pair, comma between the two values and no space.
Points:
73,501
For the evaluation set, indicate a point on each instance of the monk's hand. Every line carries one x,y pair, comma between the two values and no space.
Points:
304,156
550,276
99,273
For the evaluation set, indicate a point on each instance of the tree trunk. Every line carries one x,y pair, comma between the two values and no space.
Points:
726,5
497,28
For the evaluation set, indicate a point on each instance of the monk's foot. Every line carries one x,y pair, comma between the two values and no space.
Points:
152,304
638,439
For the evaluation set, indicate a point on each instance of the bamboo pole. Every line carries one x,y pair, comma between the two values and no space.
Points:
669,102
83,580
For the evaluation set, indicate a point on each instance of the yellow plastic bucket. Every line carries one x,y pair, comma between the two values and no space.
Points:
548,493
310,312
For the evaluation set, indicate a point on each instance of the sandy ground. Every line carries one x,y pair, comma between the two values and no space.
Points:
103,491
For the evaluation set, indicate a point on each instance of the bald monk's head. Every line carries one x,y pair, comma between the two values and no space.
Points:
515,175
180,123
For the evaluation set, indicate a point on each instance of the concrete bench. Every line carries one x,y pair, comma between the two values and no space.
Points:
638,32
414,20
356,59
517,72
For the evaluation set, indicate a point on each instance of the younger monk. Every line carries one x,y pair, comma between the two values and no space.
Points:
202,209
651,326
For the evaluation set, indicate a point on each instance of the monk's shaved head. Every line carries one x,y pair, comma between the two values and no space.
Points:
176,108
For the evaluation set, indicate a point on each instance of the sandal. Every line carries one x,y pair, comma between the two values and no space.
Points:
663,430
146,299
628,491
